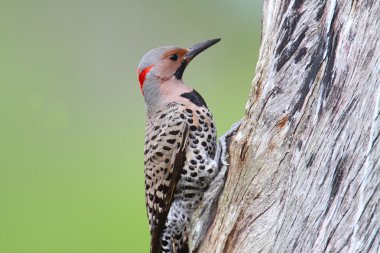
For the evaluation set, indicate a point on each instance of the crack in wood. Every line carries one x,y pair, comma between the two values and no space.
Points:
230,239
336,181
301,53
314,66
286,54
332,43
297,4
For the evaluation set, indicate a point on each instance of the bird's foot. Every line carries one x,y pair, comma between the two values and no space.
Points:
204,214
222,145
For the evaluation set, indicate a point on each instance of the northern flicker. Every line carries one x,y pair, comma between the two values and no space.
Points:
180,145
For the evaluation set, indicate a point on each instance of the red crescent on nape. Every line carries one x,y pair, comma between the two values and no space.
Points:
142,76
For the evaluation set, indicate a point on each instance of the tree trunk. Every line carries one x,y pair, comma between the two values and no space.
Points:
304,168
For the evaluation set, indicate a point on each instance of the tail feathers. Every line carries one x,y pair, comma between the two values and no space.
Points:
185,249
155,247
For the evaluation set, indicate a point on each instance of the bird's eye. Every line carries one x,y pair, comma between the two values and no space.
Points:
174,57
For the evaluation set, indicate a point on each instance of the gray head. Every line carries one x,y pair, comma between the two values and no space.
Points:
165,63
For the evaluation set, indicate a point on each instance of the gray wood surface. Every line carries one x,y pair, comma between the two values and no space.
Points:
304,170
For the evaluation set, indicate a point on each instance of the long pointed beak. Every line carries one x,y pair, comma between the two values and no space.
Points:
199,48
194,51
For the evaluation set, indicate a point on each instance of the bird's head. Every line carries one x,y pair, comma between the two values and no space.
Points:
163,64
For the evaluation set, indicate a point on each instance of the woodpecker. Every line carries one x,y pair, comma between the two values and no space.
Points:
180,145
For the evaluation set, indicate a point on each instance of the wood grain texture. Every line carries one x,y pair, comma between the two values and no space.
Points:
304,172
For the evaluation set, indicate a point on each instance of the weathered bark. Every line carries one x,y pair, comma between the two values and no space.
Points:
304,168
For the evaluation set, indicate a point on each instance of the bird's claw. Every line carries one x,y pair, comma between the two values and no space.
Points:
223,143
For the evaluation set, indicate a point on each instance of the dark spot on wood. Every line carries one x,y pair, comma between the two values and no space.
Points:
243,151
352,104
337,177
336,181
328,79
310,161
314,65
230,244
287,53
297,4
285,5
301,53
288,26
320,10
282,122
369,56
295,245
299,145
271,146
258,89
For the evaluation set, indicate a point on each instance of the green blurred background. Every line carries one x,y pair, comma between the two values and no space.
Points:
72,116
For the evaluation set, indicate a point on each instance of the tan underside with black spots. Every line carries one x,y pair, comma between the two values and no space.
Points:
180,144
